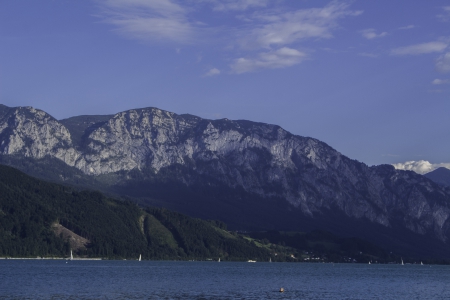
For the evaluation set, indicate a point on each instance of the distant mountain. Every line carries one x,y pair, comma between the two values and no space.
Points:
440,176
252,176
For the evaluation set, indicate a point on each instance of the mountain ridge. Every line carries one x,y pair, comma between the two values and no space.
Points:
441,176
235,165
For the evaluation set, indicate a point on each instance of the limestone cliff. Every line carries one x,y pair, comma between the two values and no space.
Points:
261,159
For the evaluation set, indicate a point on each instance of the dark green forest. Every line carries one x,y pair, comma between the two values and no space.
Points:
119,229
115,229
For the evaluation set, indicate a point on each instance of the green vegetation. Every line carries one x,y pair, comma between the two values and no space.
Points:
115,229
51,169
120,229
322,246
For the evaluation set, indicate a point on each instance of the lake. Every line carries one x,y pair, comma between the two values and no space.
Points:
61,279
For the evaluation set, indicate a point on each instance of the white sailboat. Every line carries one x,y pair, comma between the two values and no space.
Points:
402,262
270,259
218,260
140,257
71,255
421,263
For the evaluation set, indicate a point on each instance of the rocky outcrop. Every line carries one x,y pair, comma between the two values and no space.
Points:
259,158
75,241
34,133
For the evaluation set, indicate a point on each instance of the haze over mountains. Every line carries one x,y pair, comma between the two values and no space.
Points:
440,176
250,175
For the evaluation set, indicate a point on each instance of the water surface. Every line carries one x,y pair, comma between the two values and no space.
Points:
60,279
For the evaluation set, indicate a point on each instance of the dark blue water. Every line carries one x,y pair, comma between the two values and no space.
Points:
58,279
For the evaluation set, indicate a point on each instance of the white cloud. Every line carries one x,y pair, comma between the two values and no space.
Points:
148,20
443,63
280,32
270,30
420,167
370,34
281,58
212,72
440,81
445,16
240,5
407,27
290,27
371,55
424,48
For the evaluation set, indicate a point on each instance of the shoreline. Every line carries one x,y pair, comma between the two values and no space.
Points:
50,258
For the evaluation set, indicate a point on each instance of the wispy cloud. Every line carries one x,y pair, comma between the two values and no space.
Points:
267,38
407,27
290,27
371,55
445,15
148,20
431,47
420,167
371,34
281,58
237,5
440,81
279,34
443,63
212,72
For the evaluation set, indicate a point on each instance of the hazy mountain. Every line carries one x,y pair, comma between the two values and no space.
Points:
440,176
249,175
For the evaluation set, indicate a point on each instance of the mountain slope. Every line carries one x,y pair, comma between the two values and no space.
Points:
250,175
80,126
441,176
38,218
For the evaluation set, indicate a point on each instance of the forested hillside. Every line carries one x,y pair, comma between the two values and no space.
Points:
30,209
252,176
43,219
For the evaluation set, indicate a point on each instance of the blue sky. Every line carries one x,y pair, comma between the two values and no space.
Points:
370,78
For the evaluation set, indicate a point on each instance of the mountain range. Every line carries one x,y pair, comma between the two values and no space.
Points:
252,176
42,219
440,176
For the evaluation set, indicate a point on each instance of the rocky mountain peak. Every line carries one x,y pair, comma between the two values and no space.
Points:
261,160
33,133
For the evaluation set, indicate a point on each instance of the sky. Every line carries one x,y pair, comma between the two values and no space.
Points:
369,78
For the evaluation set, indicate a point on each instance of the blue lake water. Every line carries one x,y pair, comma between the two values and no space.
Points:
60,279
